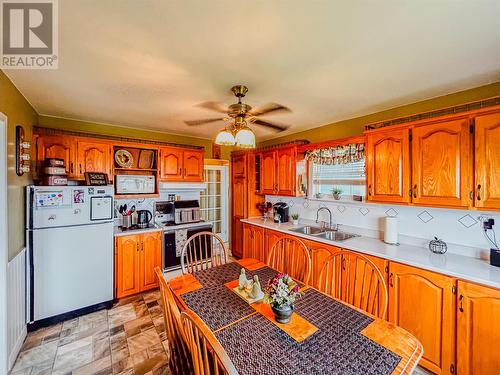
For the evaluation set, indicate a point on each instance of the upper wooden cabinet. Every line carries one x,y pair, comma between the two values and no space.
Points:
423,303
93,156
277,172
238,166
388,165
478,335
487,161
59,147
177,164
441,164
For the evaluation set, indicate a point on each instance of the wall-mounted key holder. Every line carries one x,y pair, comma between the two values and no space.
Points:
22,152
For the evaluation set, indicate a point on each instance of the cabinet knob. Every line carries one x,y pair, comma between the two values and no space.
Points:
461,300
370,189
391,276
415,191
479,192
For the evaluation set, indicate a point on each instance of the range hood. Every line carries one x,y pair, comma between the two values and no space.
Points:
182,186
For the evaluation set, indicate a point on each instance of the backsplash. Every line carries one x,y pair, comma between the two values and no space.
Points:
461,227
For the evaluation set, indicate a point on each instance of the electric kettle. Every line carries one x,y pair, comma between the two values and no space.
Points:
143,218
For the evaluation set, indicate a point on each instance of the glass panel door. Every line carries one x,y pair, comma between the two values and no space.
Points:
214,199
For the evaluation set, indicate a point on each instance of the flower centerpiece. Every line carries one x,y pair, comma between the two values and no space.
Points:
281,293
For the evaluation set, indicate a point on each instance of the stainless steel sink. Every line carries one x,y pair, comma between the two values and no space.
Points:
308,230
336,235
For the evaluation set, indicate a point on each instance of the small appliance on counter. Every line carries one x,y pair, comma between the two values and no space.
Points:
143,218
281,212
186,212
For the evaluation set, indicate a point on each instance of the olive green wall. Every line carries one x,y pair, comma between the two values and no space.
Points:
355,126
122,131
18,112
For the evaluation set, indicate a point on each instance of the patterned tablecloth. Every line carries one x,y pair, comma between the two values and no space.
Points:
258,346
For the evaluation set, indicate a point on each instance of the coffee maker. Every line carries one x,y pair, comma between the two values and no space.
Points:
281,212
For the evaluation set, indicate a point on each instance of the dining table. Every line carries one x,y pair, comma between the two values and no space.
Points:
324,336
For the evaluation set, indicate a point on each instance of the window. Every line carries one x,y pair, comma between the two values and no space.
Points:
214,199
349,177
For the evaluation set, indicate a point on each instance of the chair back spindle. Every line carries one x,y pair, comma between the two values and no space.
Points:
290,255
202,251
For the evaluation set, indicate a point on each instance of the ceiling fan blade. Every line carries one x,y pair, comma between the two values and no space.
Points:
268,108
202,122
277,127
214,106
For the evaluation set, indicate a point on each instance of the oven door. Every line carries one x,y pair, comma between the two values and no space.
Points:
171,255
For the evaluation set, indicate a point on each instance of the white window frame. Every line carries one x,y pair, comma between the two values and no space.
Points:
224,195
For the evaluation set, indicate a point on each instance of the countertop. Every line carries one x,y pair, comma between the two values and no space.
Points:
156,228
455,265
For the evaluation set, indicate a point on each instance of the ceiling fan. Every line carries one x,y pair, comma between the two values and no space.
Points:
237,132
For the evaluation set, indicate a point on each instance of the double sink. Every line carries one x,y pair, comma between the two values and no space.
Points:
327,234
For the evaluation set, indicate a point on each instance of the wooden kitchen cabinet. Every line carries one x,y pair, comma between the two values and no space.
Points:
239,211
238,165
441,164
487,161
478,333
423,303
94,156
277,172
319,254
270,238
253,242
59,147
179,165
388,165
268,172
136,256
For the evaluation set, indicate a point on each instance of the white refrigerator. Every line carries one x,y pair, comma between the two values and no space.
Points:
70,251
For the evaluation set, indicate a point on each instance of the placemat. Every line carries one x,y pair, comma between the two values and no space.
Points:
217,306
265,274
257,346
219,275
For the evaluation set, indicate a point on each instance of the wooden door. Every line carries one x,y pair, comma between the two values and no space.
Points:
487,162
319,252
171,159
258,243
478,333
247,241
441,164
127,265
94,156
238,166
285,178
268,173
59,147
239,211
193,166
423,303
388,166
150,258
237,238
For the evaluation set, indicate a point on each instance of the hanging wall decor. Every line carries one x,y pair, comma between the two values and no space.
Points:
22,152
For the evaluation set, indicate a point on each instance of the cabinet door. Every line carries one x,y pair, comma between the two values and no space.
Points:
270,238
268,173
150,258
193,166
388,166
94,157
478,333
237,238
319,254
258,243
422,302
285,181
171,159
487,161
56,146
239,197
441,164
127,265
247,241
238,165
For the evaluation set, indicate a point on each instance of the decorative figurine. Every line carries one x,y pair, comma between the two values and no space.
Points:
242,280
256,292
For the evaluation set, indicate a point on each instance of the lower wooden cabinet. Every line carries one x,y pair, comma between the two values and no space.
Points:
136,256
270,238
319,253
478,330
423,303
253,243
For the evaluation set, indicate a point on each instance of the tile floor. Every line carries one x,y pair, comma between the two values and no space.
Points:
129,339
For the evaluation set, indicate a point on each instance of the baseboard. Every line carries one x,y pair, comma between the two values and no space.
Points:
17,347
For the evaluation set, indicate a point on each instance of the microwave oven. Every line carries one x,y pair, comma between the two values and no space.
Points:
135,184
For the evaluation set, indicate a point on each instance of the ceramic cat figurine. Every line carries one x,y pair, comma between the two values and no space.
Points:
242,280
256,292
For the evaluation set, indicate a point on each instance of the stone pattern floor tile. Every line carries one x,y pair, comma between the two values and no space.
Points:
128,339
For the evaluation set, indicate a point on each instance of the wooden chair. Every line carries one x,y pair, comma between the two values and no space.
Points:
202,251
356,280
291,255
208,355
180,357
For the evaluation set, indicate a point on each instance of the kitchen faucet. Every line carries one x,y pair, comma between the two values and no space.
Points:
330,225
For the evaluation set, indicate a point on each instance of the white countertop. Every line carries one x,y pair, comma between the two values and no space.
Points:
455,265
119,232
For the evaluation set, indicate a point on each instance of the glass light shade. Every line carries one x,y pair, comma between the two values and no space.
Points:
245,138
225,138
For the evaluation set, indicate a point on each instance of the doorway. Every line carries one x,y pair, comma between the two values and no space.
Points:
3,244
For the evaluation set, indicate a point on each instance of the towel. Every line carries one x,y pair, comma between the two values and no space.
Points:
180,241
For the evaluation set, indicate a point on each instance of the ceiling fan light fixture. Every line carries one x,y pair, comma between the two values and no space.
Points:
245,138
225,138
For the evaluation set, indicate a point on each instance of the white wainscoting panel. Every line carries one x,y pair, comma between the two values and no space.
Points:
16,305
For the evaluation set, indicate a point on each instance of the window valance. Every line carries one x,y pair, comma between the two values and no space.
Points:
337,155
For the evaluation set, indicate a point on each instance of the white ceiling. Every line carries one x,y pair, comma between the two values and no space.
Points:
147,63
